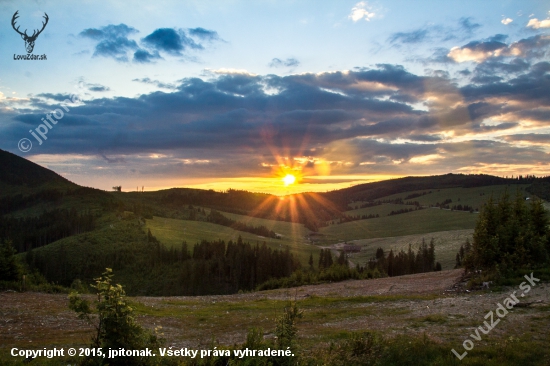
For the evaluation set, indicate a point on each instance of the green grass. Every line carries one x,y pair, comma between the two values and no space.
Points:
418,222
475,196
291,231
447,244
382,210
172,232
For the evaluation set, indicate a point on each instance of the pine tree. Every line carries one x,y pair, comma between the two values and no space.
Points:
391,259
9,270
431,255
458,260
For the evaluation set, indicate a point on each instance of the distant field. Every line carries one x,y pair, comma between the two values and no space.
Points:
447,244
418,222
171,232
291,231
382,210
465,196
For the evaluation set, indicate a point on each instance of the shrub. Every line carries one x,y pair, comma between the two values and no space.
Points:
114,322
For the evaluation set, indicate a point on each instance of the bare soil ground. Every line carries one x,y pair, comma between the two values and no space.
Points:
420,303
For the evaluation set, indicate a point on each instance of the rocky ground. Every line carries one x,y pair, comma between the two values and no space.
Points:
423,303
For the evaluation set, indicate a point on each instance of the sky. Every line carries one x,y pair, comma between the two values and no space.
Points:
239,94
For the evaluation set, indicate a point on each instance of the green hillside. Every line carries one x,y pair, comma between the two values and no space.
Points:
289,230
69,232
172,232
447,244
382,210
474,196
418,222
18,175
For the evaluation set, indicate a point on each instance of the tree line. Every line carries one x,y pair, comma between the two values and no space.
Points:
150,268
216,217
404,263
32,232
509,235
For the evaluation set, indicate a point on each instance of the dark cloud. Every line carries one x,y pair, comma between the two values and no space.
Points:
415,36
498,38
499,127
481,110
57,97
467,26
143,56
112,40
110,31
529,137
112,160
204,34
493,66
534,47
289,62
425,138
485,46
157,83
531,86
494,48
97,87
169,40
236,122
465,29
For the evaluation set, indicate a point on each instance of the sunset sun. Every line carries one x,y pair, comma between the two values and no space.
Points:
289,179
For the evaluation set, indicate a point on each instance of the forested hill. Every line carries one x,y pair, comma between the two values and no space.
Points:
375,190
16,171
30,180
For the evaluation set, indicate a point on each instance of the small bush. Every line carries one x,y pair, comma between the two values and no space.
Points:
113,319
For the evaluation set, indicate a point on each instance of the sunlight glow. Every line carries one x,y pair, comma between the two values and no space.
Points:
289,179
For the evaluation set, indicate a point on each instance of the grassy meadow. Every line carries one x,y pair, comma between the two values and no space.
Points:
447,244
474,197
382,210
172,232
417,222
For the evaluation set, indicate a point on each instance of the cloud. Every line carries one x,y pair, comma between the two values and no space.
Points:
289,62
95,87
536,24
477,51
443,33
144,57
425,138
59,97
156,83
361,10
416,36
467,26
237,120
204,34
227,71
506,21
112,41
170,40
112,160
495,47
530,137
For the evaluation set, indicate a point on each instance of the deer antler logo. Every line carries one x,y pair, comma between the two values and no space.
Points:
29,40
